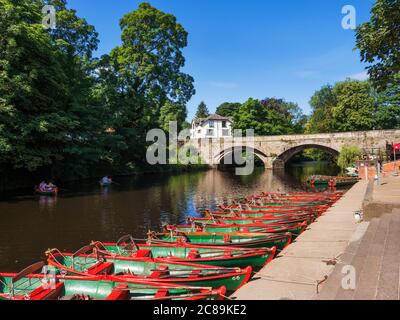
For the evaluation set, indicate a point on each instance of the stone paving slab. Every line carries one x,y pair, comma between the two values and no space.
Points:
376,257
294,275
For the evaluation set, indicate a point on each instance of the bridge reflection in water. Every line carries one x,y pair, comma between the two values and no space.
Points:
30,225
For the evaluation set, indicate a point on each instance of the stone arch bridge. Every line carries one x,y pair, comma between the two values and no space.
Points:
276,151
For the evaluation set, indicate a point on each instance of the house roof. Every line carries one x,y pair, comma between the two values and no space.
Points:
215,117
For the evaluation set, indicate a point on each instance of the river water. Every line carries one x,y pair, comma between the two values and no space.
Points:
83,212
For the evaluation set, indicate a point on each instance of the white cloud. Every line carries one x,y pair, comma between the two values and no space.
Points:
360,76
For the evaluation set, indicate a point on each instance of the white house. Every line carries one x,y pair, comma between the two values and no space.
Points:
212,127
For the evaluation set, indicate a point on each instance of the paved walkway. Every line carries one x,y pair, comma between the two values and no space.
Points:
298,269
376,257
382,199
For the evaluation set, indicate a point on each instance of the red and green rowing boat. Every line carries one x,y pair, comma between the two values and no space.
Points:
127,269
29,285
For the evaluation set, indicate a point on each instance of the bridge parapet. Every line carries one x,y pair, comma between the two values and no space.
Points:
275,151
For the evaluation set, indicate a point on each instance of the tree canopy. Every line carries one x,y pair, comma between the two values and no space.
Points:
202,111
65,111
379,42
227,109
269,117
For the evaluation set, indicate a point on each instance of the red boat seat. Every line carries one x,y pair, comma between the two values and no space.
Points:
47,294
193,254
227,254
120,292
227,238
162,270
143,253
100,268
195,274
161,293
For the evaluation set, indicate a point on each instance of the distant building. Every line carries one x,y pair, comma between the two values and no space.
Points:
212,127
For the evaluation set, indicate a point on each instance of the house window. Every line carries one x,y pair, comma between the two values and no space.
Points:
224,124
210,132
199,131
211,124
225,132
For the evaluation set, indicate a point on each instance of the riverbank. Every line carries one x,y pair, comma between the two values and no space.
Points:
299,272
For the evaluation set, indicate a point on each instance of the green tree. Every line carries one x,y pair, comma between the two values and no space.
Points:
269,117
348,155
172,112
321,103
141,76
355,106
347,106
388,112
43,88
379,42
202,111
228,109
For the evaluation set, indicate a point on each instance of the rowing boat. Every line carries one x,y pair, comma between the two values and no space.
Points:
295,229
239,239
126,269
49,193
28,285
185,252
246,221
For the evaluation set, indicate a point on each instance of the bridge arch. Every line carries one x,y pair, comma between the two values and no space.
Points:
229,152
284,157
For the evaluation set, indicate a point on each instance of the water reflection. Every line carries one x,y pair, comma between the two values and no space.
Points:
29,225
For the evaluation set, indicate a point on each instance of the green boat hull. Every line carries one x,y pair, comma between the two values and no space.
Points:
207,255
260,241
295,231
181,274
91,289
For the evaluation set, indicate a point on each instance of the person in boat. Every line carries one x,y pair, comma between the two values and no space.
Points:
51,186
106,180
43,186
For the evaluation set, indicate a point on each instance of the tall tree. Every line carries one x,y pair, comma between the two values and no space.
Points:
202,111
143,75
355,106
227,109
388,112
41,109
321,103
379,42
268,117
172,112
347,106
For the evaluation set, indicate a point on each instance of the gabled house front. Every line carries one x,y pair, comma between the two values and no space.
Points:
212,127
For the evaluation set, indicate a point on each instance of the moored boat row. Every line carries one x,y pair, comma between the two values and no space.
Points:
208,258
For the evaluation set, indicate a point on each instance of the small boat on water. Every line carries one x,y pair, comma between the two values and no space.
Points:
236,239
89,262
246,221
295,229
309,217
106,182
30,285
189,253
50,192
319,180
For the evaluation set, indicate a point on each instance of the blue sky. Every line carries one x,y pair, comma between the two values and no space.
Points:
250,48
